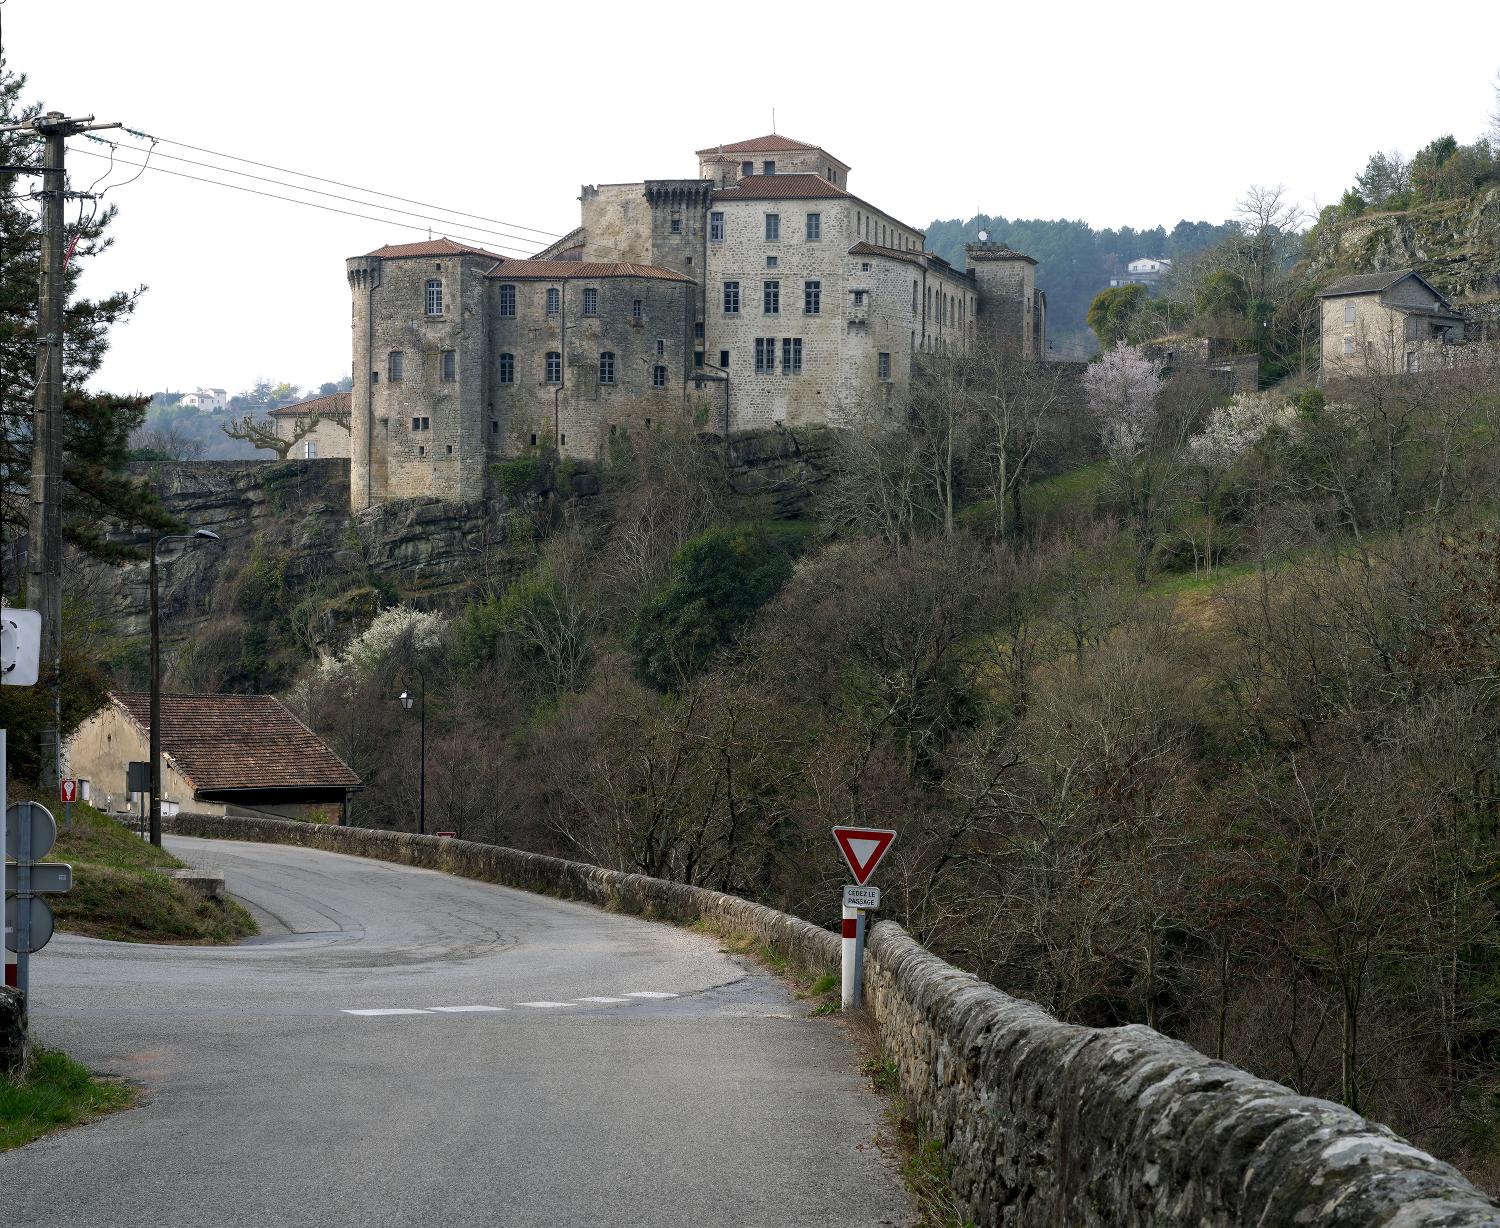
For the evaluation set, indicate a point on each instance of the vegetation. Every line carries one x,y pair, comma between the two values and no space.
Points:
52,1093
122,889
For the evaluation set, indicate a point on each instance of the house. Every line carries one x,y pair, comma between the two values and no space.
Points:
1147,271
206,400
323,423
1375,323
759,292
221,754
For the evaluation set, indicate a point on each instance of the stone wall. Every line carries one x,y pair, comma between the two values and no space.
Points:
13,1036
1043,1123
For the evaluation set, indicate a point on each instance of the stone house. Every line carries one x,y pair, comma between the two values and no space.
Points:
221,754
760,293
1384,323
329,437
206,400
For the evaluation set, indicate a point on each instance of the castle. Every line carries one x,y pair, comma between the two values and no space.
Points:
761,292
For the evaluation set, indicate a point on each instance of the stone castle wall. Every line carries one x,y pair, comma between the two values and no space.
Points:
1041,1123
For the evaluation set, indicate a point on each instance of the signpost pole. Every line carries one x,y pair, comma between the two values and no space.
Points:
859,957
10,964
850,935
23,903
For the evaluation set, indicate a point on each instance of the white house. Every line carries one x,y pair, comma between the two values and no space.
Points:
207,400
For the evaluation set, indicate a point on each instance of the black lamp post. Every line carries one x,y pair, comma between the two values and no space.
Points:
421,702
156,544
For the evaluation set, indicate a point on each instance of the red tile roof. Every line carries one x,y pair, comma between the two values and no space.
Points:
566,270
781,187
760,144
334,405
430,247
223,742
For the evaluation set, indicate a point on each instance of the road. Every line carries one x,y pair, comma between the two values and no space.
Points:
520,1061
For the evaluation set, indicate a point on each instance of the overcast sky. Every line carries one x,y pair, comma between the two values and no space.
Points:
1119,114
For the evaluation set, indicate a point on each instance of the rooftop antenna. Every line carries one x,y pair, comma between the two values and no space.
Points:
773,121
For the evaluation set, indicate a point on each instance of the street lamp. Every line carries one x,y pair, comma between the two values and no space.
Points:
156,544
421,701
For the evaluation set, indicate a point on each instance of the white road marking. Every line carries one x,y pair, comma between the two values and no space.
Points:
543,1004
454,1010
603,999
397,1010
648,993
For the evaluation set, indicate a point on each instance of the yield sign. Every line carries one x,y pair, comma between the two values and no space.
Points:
863,847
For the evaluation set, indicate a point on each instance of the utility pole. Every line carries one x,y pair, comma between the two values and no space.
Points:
44,547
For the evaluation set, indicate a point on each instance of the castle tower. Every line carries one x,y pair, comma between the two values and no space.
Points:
1012,311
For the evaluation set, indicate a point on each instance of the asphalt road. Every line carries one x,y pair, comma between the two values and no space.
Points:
268,1103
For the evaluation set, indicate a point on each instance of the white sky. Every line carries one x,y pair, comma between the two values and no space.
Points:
1116,113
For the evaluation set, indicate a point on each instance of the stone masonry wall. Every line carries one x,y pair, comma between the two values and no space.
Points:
13,1036
1042,1123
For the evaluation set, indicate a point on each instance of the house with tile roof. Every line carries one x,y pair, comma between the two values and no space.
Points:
221,754
1385,323
761,292
318,427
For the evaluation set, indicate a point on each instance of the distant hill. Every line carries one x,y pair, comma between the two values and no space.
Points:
1075,261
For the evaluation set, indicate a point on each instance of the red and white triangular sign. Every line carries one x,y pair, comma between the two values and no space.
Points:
863,847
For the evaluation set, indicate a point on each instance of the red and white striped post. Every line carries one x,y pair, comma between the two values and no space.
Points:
851,956
862,847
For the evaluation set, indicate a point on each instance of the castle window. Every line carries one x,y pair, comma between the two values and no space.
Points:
450,449
768,167
698,331
507,368
770,297
421,450
533,439
449,366
635,309
676,224
395,361
716,228
765,355
791,355
859,298
731,298
494,426
507,300
773,227
747,168
590,301
772,261
606,368
697,358
435,297
812,298
658,376
563,439
814,227
724,359
661,348
554,367
914,296
374,377
885,365
1349,313
554,301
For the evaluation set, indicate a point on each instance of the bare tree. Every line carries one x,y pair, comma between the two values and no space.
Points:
262,434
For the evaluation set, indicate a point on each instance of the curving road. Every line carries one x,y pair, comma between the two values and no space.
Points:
400,1047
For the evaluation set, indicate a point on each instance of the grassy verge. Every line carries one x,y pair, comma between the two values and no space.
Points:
122,889
926,1170
55,1092
821,988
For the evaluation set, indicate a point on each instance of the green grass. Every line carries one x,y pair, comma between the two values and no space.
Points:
122,889
55,1092
925,1168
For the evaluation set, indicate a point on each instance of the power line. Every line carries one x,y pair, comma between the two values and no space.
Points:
292,200
336,183
503,234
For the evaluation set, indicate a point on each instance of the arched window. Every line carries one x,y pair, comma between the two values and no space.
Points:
507,368
435,296
658,376
607,367
396,363
554,367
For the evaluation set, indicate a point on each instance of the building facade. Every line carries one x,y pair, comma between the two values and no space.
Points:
318,427
1385,323
762,292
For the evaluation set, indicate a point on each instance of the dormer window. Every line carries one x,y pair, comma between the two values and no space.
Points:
435,296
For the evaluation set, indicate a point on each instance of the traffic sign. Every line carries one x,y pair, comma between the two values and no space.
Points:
863,847
43,829
41,922
69,790
861,897
47,877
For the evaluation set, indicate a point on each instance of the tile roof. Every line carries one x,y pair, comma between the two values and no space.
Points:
566,270
1369,283
995,251
926,260
334,405
223,742
430,247
781,187
759,144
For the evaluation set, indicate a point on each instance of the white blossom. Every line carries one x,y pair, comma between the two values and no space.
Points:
1122,388
1233,429
368,649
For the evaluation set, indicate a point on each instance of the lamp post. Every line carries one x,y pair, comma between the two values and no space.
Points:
421,702
156,544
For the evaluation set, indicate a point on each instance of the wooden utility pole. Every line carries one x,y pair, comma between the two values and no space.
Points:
44,547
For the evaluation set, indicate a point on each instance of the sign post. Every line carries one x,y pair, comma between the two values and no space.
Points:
69,790
863,848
